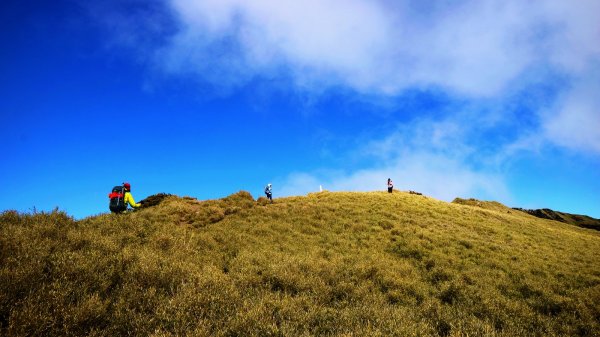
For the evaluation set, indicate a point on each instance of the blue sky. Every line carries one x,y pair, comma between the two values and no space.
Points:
494,100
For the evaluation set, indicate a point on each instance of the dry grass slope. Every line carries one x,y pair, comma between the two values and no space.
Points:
326,264
573,219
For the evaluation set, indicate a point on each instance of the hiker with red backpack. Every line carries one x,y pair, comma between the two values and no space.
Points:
120,198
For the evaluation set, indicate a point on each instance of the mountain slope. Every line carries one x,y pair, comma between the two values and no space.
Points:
364,264
573,219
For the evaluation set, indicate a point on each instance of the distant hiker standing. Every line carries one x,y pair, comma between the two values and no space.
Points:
269,192
390,185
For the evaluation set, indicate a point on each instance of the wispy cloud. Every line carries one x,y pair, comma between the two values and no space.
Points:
438,176
575,120
473,47
433,157
468,48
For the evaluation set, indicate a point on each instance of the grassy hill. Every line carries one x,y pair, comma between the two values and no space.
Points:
573,219
583,221
326,264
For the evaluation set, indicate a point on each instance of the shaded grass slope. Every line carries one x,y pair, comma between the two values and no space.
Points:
326,264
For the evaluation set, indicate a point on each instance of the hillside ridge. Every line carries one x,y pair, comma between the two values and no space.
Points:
324,264
573,219
583,221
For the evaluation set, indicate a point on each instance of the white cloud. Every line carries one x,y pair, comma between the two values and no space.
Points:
427,156
315,41
435,175
575,121
469,49
575,32
297,183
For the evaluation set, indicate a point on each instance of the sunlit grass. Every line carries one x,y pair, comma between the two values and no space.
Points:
340,264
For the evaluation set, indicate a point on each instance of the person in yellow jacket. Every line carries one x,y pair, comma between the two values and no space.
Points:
128,197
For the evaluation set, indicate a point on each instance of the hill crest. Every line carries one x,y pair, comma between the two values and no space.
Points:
332,263
583,221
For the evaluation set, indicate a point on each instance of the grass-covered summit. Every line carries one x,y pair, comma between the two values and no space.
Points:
326,264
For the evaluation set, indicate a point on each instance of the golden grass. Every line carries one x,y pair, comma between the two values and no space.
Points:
326,264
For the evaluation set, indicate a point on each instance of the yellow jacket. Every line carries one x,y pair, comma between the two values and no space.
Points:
129,200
